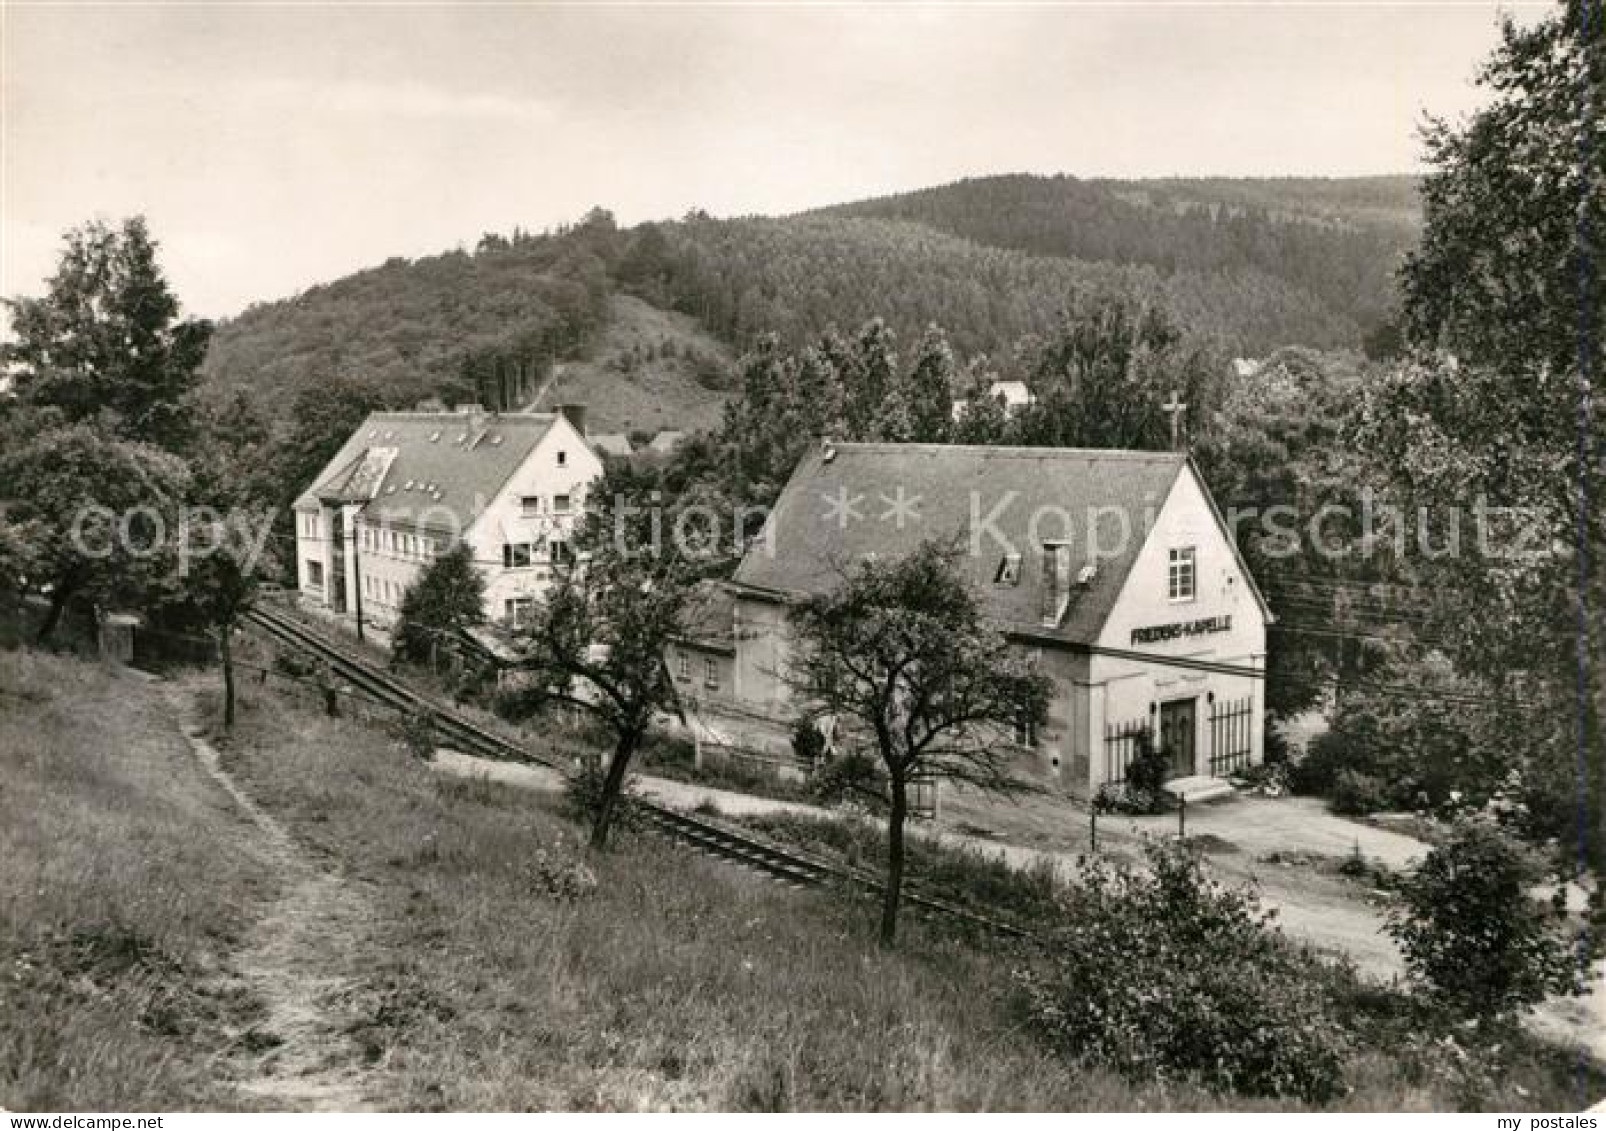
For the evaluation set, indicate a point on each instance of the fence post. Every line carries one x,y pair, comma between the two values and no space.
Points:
1182,816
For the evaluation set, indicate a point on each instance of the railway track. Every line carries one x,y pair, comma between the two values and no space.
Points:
719,841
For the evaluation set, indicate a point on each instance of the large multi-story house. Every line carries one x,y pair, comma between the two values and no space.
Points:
1113,569
409,485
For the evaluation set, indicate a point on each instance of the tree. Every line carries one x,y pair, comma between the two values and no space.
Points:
982,417
868,377
899,653
596,643
106,338
1501,308
448,597
919,406
94,514
213,585
1472,934
1102,376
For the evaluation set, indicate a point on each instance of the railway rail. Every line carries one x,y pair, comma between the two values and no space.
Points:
719,841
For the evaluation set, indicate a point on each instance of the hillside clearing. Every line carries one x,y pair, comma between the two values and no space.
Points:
643,373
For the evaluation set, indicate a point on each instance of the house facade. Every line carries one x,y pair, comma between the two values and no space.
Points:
1112,570
408,486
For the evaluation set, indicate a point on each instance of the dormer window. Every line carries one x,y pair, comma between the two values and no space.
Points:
1182,574
1008,571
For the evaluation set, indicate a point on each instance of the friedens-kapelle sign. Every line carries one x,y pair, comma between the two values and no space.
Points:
1154,633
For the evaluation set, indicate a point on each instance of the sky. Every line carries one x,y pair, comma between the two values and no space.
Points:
273,146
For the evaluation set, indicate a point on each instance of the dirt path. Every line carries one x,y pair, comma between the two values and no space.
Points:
298,1056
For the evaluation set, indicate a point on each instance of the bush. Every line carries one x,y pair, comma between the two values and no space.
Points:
1442,756
807,741
1166,974
853,778
417,732
1472,936
582,799
558,876
1355,794
1143,790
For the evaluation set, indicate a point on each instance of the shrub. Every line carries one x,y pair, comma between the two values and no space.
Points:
1355,794
807,741
853,779
1164,973
1443,756
1472,936
1142,791
417,732
558,876
1117,797
582,798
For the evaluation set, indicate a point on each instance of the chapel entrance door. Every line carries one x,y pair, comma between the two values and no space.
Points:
1177,733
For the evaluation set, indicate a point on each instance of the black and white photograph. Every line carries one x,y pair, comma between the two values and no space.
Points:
987,556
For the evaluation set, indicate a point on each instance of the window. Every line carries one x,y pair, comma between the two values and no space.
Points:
559,550
315,574
516,555
1180,575
683,666
518,610
560,504
710,673
530,505
1025,732
1008,571
563,459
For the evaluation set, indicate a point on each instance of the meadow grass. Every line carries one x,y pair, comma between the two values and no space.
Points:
680,982
125,878
474,983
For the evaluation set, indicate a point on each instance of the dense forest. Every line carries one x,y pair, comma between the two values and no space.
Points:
797,277
1337,241
1253,265
457,326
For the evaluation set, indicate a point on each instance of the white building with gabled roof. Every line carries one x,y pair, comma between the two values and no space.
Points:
407,486
1113,569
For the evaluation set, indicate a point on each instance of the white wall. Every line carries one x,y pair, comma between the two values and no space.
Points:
1222,589
503,520
313,546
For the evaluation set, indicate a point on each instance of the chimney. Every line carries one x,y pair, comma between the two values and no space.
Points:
576,415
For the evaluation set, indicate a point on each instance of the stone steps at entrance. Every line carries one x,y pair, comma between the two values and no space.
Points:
1198,788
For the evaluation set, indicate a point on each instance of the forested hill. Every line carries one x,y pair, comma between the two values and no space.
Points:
797,276
1334,241
1253,264
458,325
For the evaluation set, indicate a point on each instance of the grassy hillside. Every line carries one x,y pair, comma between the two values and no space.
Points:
128,878
353,928
648,369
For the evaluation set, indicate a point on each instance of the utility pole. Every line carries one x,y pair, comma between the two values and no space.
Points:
356,576
1174,409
